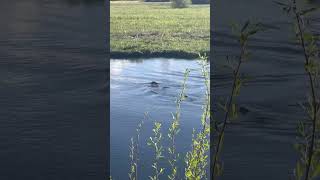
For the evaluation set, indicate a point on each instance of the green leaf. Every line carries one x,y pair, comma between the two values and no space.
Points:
299,170
244,27
316,171
307,11
280,3
308,36
234,112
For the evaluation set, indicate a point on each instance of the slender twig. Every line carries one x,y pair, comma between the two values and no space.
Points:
134,153
236,74
312,87
309,146
246,31
196,159
175,128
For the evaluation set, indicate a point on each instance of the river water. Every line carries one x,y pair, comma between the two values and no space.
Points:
53,72
260,144
132,95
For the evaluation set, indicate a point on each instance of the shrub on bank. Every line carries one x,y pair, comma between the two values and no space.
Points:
180,3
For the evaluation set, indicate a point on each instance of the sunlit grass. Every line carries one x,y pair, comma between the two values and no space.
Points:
148,28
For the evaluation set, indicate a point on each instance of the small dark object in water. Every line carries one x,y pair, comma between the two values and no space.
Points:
243,110
154,92
154,84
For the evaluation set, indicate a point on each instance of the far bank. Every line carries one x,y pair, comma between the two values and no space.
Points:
141,29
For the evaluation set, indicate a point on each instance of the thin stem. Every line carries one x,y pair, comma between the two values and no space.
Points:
236,73
206,114
314,103
137,155
174,129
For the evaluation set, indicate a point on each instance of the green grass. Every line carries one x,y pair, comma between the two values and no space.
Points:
156,29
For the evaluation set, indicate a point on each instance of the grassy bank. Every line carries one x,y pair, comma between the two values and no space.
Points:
155,29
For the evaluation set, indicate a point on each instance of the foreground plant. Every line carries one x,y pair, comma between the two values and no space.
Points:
155,143
134,153
308,166
197,158
230,108
174,130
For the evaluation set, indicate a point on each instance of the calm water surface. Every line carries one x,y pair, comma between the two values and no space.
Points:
260,144
131,96
53,73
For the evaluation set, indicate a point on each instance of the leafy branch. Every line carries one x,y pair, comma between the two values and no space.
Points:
230,108
197,158
155,143
175,128
134,153
308,166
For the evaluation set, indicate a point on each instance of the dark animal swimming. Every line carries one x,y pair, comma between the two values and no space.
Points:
154,84
243,110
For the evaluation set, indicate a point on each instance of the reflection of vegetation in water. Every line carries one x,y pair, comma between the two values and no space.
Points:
230,108
308,166
196,160
146,29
